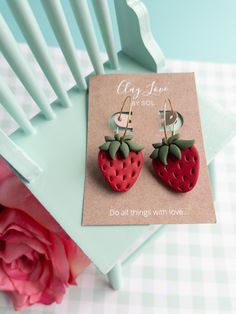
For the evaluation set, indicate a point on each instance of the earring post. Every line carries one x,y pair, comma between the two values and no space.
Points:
130,112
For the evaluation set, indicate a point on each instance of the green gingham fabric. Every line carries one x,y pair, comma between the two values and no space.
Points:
189,269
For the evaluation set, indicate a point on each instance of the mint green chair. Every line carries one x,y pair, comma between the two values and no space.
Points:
48,152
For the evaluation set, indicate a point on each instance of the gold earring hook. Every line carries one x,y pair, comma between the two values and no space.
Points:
164,117
130,112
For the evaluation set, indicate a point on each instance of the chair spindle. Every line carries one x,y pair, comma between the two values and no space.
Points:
57,19
104,20
30,28
8,101
82,15
16,60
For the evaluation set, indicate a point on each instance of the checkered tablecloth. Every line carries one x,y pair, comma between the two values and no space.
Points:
189,269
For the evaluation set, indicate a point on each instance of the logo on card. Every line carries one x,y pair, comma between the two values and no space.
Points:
126,87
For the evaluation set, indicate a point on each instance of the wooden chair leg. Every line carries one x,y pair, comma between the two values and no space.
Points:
211,169
115,277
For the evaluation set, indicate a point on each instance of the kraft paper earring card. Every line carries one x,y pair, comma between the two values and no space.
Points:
145,155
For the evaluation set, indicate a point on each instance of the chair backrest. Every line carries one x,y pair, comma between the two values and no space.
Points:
136,41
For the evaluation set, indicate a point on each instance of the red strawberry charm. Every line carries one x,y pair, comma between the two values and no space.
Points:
176,162
120,161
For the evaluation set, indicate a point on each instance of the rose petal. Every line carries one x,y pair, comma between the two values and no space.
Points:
54,293
59,258
30,287
13,251
5,282
35,298
10,217
15,237
78,261
5,171
30,239
19,301
26,265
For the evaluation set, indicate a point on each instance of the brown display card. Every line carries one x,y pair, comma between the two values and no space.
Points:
148,201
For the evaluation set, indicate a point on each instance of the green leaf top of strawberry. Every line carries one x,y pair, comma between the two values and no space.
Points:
123,144
173,145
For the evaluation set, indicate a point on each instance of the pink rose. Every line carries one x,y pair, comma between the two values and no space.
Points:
38,260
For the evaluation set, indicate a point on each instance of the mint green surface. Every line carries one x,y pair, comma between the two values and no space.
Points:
203,30
52,147
20,162
134,31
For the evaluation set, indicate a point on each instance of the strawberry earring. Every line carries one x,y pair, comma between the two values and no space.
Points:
120,159
175,161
